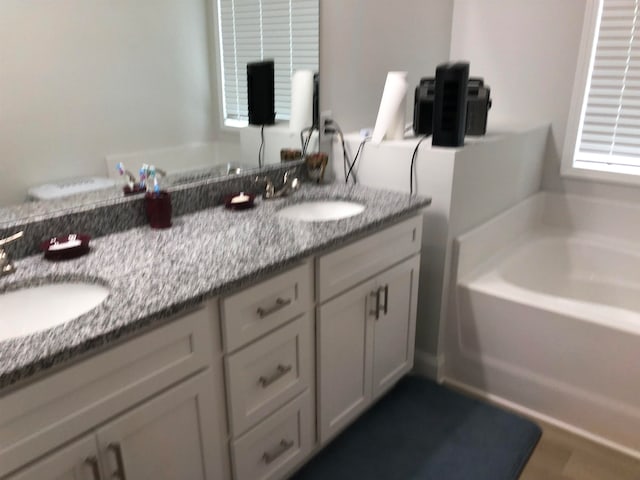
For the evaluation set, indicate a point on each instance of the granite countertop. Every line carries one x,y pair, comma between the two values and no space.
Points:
155,274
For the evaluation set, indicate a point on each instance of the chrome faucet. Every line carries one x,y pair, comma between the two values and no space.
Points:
6,265
290,185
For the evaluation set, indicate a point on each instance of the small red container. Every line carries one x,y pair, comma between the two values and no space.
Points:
158,208
132,191
239,201
65,247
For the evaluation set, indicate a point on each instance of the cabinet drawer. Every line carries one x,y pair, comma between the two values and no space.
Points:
43,415
278,444
268,373
257,310
344,268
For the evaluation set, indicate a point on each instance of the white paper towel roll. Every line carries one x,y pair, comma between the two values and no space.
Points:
301,100
390,121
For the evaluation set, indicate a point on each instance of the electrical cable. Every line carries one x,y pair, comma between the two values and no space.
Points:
413,162
345,155
261,149
302,139
305,142
355,159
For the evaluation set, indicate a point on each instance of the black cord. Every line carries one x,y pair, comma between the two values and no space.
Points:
345,156
355,159
261,149
305,142
302,139
413,162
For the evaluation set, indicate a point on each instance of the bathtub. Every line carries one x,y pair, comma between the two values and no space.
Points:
545,315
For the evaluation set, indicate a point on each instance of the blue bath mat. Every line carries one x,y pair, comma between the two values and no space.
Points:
423,431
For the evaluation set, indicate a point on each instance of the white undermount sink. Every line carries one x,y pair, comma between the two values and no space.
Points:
32,309
321,211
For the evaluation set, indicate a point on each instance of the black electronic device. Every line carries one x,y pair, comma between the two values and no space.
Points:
316,102
423,106
260,92
478,105
450,104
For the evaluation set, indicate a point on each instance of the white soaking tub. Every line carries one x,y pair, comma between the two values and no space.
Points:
545,314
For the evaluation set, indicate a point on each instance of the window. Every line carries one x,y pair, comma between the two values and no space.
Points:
606,135
253,30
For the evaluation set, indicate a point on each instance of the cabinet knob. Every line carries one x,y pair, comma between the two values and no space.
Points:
92,463
116,449
375,311
386,299
284,445
280,372
280,304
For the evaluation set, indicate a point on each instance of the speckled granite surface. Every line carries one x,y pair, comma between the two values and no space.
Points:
109,211
154,274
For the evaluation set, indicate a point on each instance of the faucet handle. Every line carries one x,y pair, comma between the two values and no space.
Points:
11,238
6,266
269,188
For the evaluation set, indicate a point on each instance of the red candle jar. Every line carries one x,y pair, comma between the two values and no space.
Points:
158,208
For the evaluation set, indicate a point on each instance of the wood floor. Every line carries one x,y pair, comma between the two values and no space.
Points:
560,455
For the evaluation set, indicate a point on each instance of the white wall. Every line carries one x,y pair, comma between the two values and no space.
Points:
82,79
361,40
527,51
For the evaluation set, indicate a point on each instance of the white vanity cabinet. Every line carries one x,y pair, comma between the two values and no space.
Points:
268,338
365,336
77,461
245,387
168,437
151,408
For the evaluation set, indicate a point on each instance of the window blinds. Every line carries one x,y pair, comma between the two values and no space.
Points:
610,130
253,30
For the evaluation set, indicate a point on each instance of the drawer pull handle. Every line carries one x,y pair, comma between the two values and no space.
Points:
92,462
284,445
117,452
375,311
386,299
280,304
280,372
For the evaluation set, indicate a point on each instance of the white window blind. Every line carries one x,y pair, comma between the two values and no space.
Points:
610,127
285,31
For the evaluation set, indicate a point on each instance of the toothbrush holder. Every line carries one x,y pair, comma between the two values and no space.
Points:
158,208
316,165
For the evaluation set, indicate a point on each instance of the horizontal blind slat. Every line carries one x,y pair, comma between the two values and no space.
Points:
611,121
252,30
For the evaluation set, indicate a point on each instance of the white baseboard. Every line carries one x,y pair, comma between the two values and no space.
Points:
428,365
527,412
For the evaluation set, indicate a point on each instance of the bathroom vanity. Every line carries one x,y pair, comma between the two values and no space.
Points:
243,360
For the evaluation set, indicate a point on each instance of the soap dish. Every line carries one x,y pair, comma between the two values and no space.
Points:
239,201
65,247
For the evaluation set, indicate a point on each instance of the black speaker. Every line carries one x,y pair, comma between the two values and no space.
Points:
423,107
260,93
316,102
450,104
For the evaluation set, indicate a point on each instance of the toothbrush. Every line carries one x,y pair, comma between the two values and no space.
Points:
151,175
123,171
143,175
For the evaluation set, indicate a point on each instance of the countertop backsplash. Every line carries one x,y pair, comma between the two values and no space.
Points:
98,216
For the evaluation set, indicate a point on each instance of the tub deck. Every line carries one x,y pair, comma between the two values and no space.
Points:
547,319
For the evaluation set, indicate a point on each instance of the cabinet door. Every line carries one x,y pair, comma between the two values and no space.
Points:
77,461
394,329
344,367
172,436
